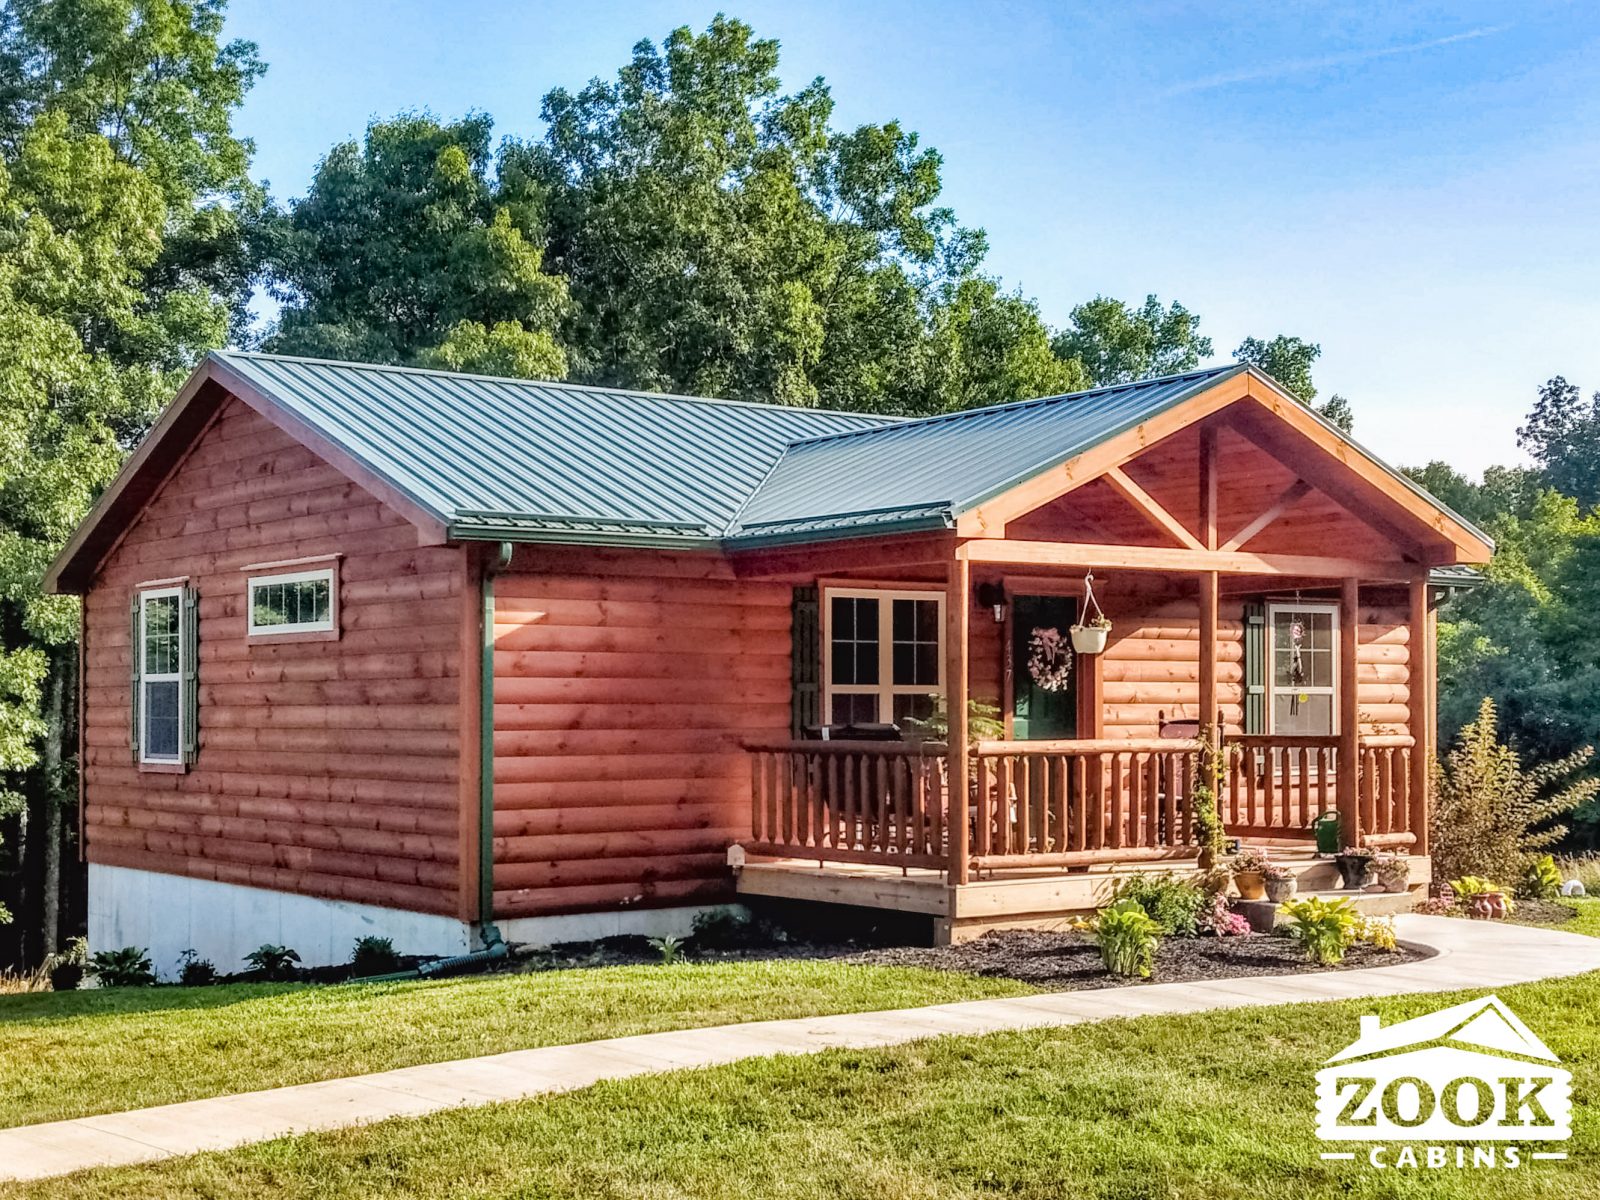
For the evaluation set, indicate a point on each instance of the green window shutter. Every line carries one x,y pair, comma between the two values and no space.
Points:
135,682
1255,668
191,673
805,672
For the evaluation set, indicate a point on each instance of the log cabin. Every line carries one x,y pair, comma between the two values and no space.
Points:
462,661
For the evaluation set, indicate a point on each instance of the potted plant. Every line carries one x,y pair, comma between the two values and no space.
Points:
1481,898
1090,637
1392,871
1279,882
1249,872
1355,867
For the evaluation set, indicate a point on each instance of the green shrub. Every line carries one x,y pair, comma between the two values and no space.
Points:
195,971
1493,818
1543,880
276,963
374,956
1173,904
1325,928
1127,937
128,967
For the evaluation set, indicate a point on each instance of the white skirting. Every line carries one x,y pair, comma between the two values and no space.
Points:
222,922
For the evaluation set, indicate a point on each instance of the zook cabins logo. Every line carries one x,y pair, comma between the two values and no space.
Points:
1467,1086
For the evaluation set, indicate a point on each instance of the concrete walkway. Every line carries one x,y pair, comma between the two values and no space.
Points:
1470,955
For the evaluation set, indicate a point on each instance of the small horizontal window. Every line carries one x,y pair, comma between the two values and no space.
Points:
302,602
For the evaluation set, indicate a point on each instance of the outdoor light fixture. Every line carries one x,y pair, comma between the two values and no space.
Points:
993,595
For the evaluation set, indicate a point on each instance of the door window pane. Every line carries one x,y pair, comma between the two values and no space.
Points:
1303,651
1311,715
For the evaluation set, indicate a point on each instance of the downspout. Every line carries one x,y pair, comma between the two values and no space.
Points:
494,945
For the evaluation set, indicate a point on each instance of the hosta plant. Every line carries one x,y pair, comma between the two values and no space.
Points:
1543,880
1127,937
1324,928
276,963
128,967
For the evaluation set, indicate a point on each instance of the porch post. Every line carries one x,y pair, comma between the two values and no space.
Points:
1419,687
1349,773
1208,655
956,607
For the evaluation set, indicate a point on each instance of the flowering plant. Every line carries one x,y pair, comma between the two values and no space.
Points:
1221,920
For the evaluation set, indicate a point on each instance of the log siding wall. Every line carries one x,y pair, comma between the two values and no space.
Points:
327,768
625,687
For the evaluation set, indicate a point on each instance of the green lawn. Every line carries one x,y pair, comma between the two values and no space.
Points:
1215,1106
72,1054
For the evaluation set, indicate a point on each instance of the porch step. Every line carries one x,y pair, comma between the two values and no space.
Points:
1263,914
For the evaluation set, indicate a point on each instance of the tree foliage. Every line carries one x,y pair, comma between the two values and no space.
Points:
1289,360
126,214
1562,435
405,250
1117,343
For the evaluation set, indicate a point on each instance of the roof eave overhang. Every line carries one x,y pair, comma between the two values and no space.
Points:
74,567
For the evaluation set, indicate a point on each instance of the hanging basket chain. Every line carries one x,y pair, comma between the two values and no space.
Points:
1089,601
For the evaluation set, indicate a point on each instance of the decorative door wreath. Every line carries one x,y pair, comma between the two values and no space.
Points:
1050,658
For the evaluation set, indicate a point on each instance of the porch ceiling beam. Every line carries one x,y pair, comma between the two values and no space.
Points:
1076,555
1150,509
1287,499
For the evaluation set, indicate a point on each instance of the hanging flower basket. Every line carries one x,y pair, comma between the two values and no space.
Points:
1089,635
1090,639
1049,660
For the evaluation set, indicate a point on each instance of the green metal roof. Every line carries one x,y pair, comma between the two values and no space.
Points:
511,459
500,458
939,467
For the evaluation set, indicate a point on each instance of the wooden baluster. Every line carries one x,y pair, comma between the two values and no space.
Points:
1060,808
1024,804
869,813
1304,760
982,819
1080,802
1369,789
885,803
1400,805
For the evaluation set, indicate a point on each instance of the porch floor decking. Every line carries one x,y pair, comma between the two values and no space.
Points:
1012,897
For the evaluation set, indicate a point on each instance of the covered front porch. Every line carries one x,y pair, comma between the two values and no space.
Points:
1271,599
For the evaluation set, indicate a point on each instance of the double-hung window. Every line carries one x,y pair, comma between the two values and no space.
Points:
884,654
164,683
1303,679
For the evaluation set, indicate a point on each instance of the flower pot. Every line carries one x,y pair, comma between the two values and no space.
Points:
1355,871
1252,885
1279,890
1089,639
1489,906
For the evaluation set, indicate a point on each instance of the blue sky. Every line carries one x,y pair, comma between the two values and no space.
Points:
1412,186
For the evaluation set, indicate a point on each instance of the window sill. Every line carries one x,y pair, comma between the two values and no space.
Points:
164,768
316,635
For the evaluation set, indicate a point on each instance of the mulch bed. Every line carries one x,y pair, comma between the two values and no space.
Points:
1542,912
1061,962
1066,962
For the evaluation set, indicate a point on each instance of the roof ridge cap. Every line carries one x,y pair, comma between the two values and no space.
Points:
719,401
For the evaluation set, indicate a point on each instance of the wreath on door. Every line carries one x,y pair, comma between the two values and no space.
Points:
1050,659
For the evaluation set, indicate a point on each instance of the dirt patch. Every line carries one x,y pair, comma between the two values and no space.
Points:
1542,912
1066,962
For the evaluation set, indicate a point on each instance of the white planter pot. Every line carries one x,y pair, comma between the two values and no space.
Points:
1089,639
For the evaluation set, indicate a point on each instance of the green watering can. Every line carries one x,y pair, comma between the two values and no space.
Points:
1326,827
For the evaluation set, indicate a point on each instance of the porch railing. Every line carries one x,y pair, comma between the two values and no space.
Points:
1066,803
1060,803
870,802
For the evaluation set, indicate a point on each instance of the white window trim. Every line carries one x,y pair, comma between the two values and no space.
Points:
146,676
885,689
1273,691
327,626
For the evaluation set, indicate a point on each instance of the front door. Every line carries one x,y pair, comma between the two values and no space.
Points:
1044,682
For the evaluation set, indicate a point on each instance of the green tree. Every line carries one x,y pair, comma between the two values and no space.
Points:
722,238
125,225
1289,361
1562,435
1118,344
404,250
